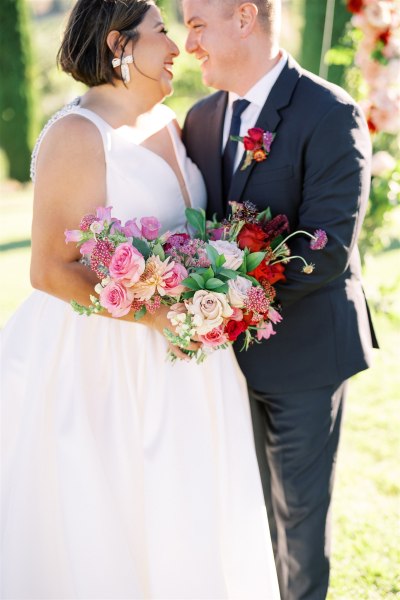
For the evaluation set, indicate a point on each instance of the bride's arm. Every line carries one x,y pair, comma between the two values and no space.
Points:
70,182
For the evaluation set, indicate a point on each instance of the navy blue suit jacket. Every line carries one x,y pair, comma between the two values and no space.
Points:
318,175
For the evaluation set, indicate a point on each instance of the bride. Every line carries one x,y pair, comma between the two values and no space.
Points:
123,476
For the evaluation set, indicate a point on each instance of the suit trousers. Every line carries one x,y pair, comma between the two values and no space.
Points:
296,437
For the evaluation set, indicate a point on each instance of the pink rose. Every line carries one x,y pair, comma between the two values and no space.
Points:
116,298
127,264
215,337
88,246
150,227
173,279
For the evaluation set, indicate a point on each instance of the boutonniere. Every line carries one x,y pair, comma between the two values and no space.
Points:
257,144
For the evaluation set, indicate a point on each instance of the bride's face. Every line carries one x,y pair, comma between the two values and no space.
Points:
153,55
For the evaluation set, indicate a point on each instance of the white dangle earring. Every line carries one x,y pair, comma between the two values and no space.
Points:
116,62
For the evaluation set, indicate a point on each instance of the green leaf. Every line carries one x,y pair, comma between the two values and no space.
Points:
142,246
191,283
83,310
158,251
222,289
140,313
207,273
212,254
187,295
198,279
254,259
265,215
214,283
197,219
221,260
230,273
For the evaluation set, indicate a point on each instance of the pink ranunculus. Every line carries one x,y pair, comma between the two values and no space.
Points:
88,246
73,235
215,337
150,227
173,280
130,229
116,298
265,331
127,264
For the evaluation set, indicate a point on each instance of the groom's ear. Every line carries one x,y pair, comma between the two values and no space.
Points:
248,14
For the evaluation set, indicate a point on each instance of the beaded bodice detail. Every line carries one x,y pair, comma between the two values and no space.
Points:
66,110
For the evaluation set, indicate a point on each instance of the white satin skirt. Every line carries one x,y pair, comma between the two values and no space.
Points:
124,476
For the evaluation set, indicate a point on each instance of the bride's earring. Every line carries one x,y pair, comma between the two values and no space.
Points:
116,62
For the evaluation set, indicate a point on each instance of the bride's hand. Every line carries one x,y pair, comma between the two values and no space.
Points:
159,321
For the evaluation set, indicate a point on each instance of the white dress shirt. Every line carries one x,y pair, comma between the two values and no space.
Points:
257,96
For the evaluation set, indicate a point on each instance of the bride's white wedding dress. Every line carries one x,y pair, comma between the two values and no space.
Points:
124,476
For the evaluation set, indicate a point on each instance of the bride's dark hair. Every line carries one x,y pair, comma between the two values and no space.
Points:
84,52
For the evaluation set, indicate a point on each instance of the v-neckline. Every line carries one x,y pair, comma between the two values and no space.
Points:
185,193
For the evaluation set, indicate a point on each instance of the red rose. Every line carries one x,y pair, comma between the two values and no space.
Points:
249,143
251,236
272,273
234,328
256,134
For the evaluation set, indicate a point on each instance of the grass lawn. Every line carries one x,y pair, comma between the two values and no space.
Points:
366,511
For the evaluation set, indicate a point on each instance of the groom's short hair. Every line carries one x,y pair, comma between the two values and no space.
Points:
266,9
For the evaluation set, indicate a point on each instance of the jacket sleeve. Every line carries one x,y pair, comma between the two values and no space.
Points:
334,198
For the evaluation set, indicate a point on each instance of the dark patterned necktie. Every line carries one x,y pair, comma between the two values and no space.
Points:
228,157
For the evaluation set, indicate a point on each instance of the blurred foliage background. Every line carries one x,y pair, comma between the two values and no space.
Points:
319,35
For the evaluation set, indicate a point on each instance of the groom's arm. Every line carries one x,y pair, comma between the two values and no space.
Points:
334,198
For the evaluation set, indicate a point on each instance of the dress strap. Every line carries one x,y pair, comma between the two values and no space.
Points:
63,112
180,155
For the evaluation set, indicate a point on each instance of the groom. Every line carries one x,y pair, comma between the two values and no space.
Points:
317,173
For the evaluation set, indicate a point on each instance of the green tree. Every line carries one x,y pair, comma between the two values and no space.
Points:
330,16
17,123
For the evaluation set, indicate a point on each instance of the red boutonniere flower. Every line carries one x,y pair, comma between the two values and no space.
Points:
257,144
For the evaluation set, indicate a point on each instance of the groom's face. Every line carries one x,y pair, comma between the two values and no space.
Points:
213,40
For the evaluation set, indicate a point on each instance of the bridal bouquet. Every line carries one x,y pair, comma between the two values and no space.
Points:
218,280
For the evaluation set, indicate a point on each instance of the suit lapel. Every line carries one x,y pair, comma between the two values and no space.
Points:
269,119
213,150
